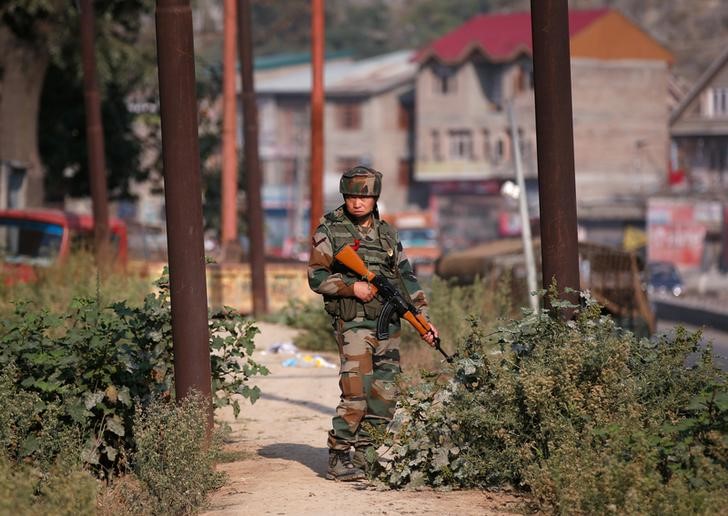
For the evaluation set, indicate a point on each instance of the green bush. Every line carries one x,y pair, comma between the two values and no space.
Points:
174,462
27,491
89,368
582,414
450,308
56,286
317,333
453,307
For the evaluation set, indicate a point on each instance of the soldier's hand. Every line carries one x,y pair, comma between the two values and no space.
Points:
431,335
363,290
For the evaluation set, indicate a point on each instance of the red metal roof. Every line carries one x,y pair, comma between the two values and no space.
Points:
500,37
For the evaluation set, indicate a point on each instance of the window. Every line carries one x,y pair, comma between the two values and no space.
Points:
446,85
436,146
523,145
29,241
499,150
403,117
461,144
349,115
444,80
487,154
718,102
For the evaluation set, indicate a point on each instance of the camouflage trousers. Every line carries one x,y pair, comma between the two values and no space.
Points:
367,382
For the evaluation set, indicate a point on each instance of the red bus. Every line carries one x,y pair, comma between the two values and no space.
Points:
42,237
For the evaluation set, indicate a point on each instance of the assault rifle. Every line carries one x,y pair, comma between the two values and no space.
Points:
393,299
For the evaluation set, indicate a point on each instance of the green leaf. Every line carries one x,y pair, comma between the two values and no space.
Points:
116,425
93,398
90,454
29,446
78,411
110,452
124,397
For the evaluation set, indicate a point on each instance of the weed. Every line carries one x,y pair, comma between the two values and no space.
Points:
583,414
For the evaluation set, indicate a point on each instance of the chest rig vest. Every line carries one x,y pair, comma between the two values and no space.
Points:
379,249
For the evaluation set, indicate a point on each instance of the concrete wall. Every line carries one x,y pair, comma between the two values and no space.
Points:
468,107
620,125
379,142
621,128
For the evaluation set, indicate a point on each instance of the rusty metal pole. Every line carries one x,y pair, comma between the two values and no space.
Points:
183,199
317,113
229,190
252,164
94,137
555,146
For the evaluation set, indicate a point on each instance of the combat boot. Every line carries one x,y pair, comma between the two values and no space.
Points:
341,468
365,458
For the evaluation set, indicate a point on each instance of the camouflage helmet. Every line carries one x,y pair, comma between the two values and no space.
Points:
361,180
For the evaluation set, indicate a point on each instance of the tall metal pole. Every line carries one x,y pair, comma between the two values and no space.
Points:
317,113
252,164
94,137
555,134
523,209
229,190
183,198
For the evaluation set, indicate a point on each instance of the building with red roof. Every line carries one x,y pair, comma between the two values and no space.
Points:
467,78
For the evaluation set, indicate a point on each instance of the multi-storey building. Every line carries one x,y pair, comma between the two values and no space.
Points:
699,128
367,120
467,79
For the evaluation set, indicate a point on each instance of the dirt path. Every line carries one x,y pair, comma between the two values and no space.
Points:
284,437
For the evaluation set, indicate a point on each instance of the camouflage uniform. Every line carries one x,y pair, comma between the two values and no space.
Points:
368,365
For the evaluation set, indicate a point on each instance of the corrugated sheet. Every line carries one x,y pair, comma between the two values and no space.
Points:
366,76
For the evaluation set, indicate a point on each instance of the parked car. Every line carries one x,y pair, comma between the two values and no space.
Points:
664,278
32,238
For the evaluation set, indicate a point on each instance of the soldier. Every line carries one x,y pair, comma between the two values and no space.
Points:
368,365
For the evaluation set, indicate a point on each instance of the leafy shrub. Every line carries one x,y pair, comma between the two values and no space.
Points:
582,414
54,482
450,306
90,367
31,428
451,309
75,277
453,306
317,334
173,465
26,491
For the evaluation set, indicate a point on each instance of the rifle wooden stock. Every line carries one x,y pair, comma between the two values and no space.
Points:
348,257
353,261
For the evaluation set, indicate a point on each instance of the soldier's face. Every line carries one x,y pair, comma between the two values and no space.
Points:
358,205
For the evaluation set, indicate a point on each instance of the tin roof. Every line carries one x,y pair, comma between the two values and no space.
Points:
500,37
344,77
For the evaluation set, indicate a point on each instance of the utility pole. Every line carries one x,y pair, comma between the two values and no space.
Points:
94,137
523,209
317,113
555,138
252,164
229,190
183,199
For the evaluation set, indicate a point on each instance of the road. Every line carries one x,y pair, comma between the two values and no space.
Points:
695,314
281,440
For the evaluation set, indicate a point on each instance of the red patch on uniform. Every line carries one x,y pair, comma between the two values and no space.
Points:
356,244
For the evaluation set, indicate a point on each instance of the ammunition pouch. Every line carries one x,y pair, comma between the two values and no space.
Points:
373,308
344,308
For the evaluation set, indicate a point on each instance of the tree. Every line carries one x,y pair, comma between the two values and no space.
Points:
40,59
